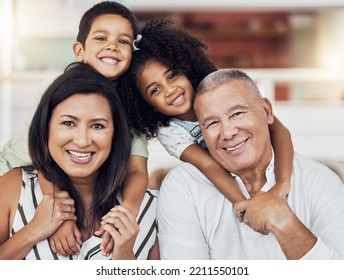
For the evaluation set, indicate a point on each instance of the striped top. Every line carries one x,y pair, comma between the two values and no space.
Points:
31,195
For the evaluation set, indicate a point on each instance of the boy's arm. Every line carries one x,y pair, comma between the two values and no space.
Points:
221,178
135,183
284,155
14,153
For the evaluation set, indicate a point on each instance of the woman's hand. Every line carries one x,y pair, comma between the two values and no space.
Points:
121,224
51,212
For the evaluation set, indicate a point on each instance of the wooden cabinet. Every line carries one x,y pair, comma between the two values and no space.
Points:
238,39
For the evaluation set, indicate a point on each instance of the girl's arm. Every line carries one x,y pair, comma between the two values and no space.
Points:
221,178
135,183
284,155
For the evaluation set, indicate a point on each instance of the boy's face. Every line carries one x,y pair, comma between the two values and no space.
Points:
108,46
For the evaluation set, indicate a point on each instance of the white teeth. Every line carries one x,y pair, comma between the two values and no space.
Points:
235,147
109,60
177,100
82,156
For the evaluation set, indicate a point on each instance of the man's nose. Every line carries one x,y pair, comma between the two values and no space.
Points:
228,129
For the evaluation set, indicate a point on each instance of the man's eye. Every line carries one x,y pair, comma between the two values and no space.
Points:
236,114
210,124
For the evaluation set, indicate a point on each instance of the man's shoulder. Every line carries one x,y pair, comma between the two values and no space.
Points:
313,168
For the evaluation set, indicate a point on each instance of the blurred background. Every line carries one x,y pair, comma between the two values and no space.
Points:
293,50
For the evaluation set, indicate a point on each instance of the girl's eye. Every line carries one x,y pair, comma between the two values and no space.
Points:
171,76
154,90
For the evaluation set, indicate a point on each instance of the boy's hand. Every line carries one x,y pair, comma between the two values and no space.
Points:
66,240
107,241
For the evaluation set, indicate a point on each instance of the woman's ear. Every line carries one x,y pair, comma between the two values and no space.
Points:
79,51
268,109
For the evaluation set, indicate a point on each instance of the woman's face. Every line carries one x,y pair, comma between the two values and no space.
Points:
81,129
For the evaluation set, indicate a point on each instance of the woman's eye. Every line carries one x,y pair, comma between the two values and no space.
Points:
98,126
68,123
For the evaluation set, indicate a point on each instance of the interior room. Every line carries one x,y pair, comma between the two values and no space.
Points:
294,51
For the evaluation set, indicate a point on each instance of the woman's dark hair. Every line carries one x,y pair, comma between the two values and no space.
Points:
104,8
80,78
176,49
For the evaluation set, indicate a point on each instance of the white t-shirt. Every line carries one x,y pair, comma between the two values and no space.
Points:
197,222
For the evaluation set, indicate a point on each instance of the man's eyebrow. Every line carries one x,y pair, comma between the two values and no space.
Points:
231,109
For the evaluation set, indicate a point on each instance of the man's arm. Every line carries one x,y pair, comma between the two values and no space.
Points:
266,213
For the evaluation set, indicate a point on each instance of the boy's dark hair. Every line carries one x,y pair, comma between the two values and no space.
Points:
82,79
176,49
104,8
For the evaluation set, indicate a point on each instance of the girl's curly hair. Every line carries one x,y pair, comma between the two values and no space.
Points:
176,49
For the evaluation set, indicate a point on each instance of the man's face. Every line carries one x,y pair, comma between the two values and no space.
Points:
234,124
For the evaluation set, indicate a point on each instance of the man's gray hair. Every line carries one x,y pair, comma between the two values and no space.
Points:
223,76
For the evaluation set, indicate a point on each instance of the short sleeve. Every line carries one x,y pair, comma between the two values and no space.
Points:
175,139
139,146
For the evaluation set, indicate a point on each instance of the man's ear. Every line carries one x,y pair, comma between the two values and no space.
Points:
78,50
268,109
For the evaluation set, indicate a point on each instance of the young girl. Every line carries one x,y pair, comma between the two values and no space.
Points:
157,92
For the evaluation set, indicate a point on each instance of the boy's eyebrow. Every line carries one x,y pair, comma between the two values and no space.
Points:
152,83
106,31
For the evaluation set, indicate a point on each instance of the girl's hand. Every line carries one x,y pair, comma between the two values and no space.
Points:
121,224
51,212
66,240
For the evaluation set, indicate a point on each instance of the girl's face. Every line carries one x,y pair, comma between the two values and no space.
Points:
168,92
108,46
81,129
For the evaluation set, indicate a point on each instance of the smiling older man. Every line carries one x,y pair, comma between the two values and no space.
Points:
197,222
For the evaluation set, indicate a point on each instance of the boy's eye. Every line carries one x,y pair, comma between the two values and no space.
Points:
100,38
124,42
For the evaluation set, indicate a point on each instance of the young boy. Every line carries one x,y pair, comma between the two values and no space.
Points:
107,32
